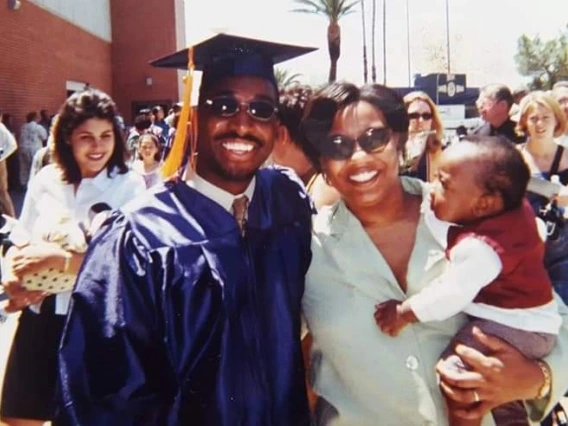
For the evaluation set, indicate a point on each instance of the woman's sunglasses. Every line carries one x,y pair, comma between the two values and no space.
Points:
340,147
228,106
416,115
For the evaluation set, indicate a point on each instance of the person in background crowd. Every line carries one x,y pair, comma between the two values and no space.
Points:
494,103
174,110
171,137
159,121
13,163
560,93
543,122
203,276
44,155
8,146
373,246
561,83
149,158
45,120
141,126
289,149
426,131
32,137
88,168
518,94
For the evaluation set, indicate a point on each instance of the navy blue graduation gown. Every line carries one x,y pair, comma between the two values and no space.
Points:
178,320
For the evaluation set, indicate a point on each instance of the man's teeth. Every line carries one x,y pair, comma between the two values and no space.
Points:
363,176
238,146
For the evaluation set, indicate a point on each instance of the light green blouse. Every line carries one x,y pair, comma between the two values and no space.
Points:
366,376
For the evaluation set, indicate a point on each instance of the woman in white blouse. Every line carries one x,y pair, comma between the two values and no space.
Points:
89,168
371,246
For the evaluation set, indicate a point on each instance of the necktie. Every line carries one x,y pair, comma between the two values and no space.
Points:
240,206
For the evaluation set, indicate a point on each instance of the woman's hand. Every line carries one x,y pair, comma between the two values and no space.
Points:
19,298
502,376
37,257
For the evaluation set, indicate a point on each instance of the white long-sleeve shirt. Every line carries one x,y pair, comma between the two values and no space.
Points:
473,265
48,197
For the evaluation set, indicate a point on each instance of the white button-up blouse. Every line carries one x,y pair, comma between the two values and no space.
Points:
49,196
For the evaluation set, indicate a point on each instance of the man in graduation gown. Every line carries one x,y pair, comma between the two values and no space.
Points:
187,307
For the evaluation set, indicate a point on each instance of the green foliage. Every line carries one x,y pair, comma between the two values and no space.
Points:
333,10
546,62
285,78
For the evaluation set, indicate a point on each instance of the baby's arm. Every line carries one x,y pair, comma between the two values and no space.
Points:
473,265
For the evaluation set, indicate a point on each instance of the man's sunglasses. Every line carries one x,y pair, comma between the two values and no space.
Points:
416,115
228,106
340,147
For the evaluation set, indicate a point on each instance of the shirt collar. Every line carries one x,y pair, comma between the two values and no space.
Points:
102,180
220,196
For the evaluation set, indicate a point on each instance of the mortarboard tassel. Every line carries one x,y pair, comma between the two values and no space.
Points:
187,121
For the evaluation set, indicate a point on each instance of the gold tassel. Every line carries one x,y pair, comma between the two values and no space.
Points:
186,128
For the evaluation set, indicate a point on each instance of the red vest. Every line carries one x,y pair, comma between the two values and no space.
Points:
523,281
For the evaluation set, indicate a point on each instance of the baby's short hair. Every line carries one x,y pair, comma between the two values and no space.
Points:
501,169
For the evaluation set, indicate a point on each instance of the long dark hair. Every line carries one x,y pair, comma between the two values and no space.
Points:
77,109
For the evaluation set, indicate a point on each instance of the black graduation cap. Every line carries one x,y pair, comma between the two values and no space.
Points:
226,55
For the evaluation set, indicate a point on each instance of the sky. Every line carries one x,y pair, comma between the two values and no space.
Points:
483,35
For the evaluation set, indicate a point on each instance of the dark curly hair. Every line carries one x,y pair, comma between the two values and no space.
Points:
77,109
501,169
292,103
334,97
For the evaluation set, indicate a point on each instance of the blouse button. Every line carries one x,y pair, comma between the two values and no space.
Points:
412,363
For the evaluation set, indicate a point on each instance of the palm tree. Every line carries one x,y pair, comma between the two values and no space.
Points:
333,10
365,71
285,78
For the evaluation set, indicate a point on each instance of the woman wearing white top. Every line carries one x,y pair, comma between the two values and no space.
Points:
89,168
148,162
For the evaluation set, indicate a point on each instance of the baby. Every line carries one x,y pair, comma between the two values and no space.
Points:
496,273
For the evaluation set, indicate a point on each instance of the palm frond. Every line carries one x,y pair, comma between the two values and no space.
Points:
285,77
331,9
311,6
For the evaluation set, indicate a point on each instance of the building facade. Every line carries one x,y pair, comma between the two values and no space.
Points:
51,48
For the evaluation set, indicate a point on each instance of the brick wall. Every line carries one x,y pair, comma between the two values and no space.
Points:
142,31
39,52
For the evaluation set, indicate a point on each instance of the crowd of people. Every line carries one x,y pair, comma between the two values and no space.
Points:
328,260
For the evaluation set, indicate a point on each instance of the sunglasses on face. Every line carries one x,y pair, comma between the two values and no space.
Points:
340,147
228,106
416,115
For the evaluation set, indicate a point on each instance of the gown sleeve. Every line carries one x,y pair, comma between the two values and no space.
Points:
114,366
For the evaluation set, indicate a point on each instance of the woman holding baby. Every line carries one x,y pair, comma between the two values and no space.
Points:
372,246
89,168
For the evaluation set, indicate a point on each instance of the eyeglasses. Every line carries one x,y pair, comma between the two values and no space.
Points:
486,103
339,147
228,106
416,115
